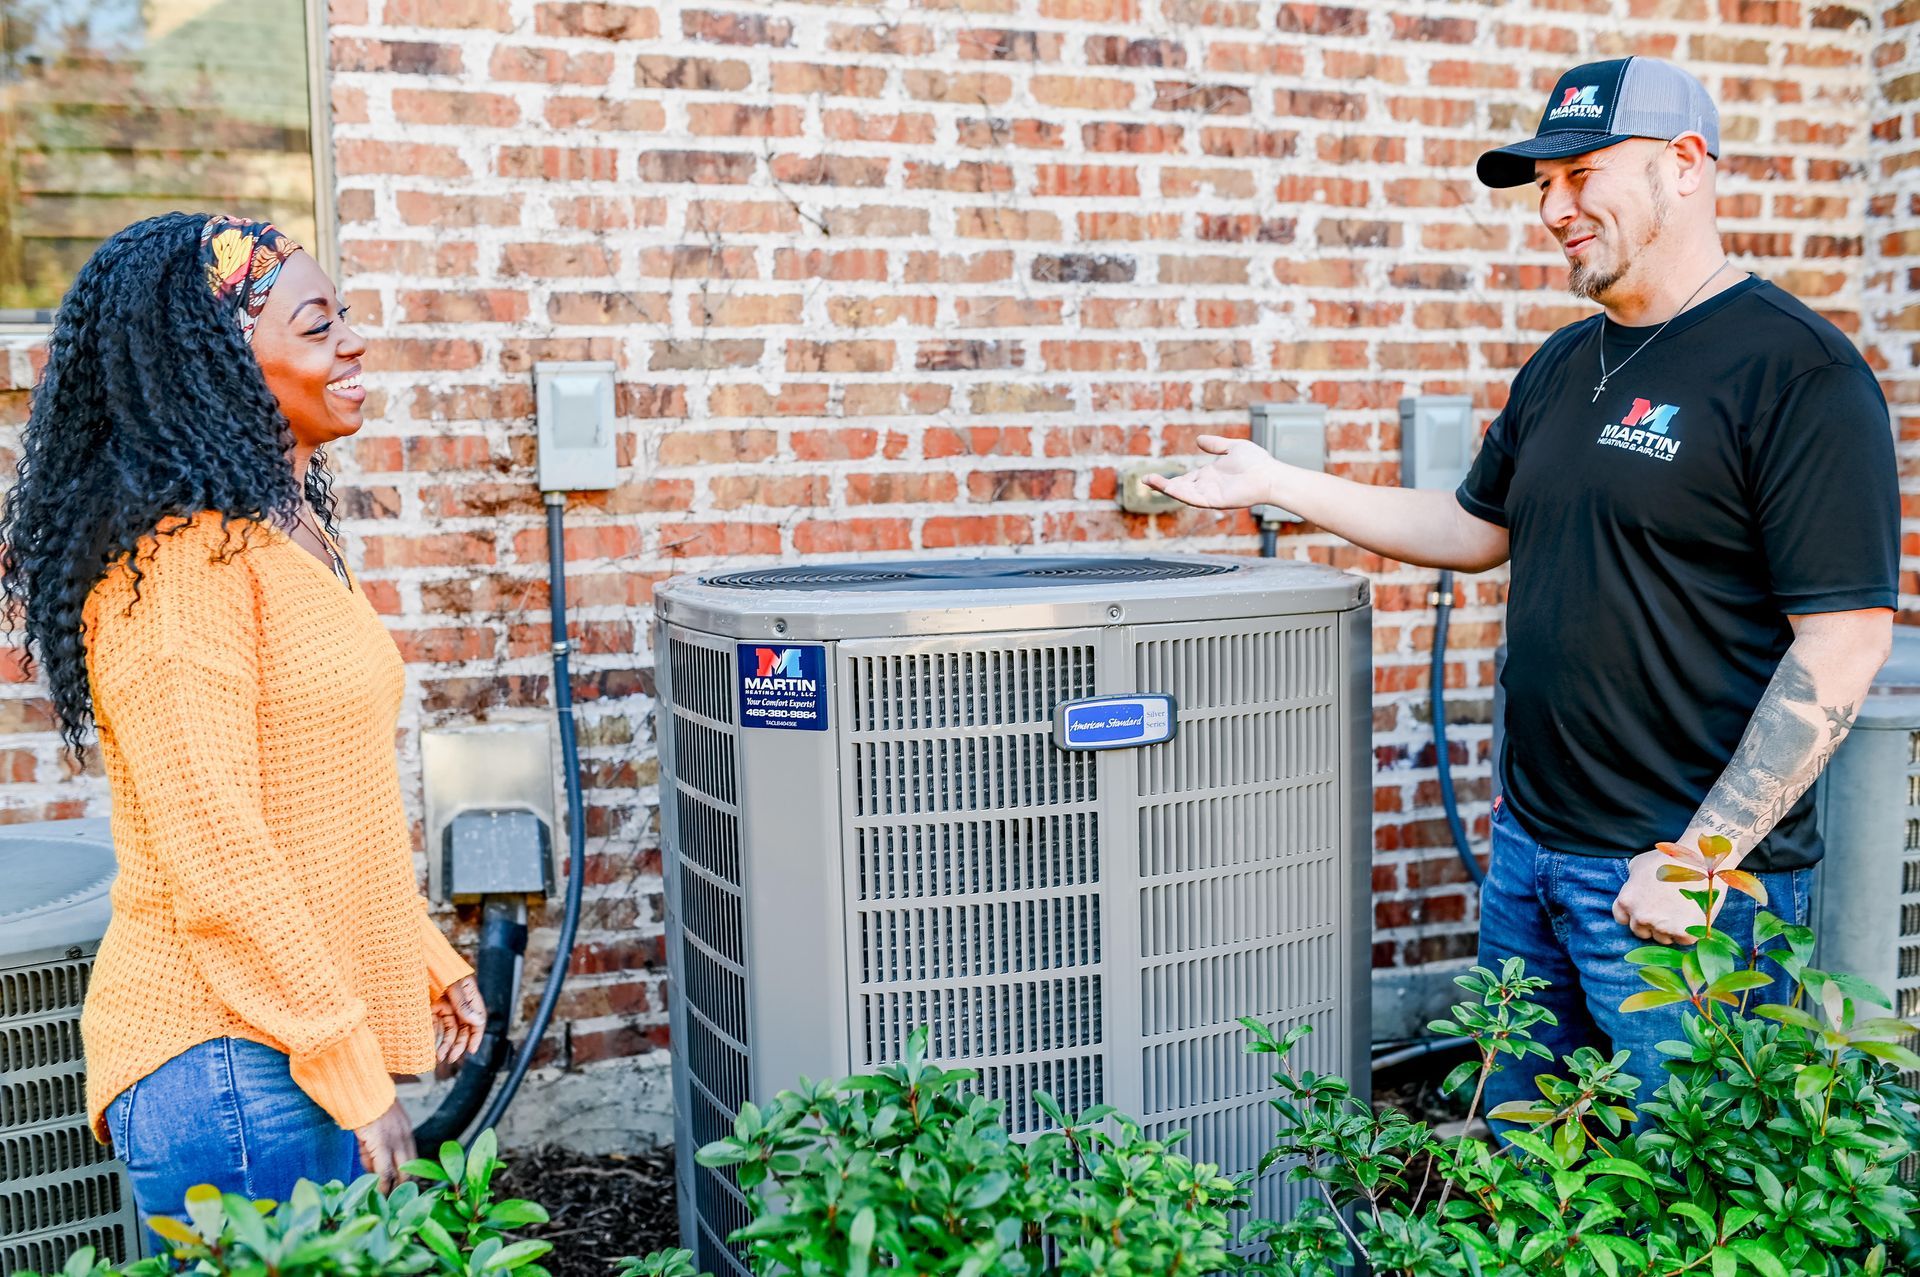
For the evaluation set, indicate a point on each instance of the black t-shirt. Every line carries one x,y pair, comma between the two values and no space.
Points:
1739,470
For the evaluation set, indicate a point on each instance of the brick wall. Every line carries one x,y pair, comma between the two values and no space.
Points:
883,278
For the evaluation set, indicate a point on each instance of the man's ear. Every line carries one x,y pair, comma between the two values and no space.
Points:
1691,161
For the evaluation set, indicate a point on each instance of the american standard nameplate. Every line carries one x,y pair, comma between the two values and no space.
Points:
1114,722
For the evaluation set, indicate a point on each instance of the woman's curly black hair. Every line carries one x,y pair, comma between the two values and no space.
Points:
151,408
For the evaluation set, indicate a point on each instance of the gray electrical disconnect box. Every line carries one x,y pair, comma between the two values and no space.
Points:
573,406
1295,433
1436,440
490,809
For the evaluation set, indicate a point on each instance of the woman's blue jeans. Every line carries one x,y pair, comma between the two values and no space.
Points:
1555,909
225,1113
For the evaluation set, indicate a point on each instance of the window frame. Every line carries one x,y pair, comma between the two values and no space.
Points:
320,139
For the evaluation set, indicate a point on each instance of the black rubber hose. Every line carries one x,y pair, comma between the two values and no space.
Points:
576,810
1269,539
1443,609
1418,1050
503,938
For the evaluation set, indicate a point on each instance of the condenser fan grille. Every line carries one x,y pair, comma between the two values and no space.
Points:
968,574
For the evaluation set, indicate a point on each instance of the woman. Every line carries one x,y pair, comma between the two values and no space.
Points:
270,962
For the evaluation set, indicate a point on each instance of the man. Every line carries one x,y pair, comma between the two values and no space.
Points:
1697,492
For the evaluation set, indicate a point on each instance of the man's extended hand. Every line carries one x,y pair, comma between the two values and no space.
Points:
1241,477
1655,910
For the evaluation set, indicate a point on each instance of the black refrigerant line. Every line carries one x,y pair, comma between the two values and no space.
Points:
1437,683
576,810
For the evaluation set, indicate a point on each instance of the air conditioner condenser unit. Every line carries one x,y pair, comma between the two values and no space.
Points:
59,1189
1075,816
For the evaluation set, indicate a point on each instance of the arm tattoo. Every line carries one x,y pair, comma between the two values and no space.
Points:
1787,744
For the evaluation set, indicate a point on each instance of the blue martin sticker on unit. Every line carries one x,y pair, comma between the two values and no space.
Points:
1114,722
783,686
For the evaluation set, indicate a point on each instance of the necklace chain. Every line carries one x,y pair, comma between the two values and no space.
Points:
304,515
1606,373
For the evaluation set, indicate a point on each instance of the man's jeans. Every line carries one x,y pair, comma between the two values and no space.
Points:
1555,910
225,1113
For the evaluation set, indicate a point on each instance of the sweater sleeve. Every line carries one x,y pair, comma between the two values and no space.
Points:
175,678
445,966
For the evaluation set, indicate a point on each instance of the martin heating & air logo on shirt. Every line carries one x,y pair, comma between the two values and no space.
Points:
1578,103
1644,430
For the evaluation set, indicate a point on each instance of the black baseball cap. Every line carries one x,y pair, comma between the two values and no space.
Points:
1602,103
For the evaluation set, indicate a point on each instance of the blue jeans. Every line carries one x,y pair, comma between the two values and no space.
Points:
225,1113
1555,910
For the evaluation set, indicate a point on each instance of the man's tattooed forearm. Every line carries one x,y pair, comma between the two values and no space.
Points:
1780,756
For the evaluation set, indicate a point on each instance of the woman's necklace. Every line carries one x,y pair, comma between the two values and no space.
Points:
333,553
1605,372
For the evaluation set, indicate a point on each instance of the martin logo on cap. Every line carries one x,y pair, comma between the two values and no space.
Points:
1578,102
1602,103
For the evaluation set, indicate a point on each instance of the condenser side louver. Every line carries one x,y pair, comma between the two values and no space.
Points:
59,1189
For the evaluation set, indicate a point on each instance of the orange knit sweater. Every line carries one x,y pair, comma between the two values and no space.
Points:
246,712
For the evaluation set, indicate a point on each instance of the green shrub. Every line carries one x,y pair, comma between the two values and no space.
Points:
453,1225
1772,1149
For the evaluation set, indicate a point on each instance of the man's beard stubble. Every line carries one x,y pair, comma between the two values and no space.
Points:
1590,283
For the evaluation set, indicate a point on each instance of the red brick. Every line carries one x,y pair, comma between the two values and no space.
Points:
445,107
802,400
736,28
972,88
425,208
549,66
485,306
708,540
1020,485
950,532
1082,92
846,443
670,71
832,81
1009,46
732,492
559,163
1086,180
596,21
970,176
855,126
901,488
354,156
730,119
704,167
851,264
544,260
742,217
601,115
846,536
456,15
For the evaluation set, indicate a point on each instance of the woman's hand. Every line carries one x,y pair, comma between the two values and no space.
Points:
1242,476
459,1019
386,1144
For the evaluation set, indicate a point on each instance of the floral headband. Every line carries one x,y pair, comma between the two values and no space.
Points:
243,260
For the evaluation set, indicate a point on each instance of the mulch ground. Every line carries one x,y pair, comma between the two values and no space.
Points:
602,1208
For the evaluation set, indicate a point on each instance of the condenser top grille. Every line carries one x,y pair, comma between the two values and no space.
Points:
968,574
58,874
1003,593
